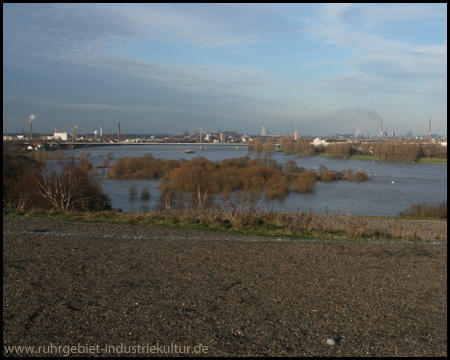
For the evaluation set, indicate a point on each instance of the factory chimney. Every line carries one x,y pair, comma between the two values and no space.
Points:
118,134
429,129
32,117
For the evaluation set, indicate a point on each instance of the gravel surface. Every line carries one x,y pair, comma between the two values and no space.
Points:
108,290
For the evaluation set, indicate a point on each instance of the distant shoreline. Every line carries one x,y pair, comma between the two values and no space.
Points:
370,157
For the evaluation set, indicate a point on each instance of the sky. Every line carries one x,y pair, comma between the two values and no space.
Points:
319,69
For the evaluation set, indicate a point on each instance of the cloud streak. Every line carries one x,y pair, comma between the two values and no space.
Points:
379,65
234,61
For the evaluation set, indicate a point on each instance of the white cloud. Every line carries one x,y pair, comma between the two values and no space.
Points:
97,48
380,64
83,34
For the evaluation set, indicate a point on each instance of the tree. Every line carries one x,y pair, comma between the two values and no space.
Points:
291,167
133,191
167,199
145,194
19,181
258,146
269,147
72,188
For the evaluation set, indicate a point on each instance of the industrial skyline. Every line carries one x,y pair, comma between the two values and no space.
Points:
264,132
314,68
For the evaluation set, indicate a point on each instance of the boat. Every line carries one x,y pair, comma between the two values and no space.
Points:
188,151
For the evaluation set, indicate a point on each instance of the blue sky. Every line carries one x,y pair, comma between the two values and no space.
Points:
165,68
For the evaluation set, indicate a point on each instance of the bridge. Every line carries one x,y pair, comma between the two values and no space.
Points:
70,144
199,135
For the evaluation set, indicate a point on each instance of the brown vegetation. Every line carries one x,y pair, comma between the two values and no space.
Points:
397,151
146,167
269,147
253,176
300,146
19,181
426,210
341,150
249,218
27,184
255,146
361,175
434,151
392,150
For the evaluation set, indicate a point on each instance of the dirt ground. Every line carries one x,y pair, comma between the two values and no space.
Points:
113,290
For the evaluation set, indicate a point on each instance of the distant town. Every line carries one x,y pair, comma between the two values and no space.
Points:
74,136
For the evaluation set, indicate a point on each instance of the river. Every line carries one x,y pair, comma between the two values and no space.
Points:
392,187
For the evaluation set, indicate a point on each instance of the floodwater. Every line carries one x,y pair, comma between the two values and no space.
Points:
392,187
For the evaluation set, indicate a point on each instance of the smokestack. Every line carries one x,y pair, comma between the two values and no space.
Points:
101,131
118,134
32,117
429,127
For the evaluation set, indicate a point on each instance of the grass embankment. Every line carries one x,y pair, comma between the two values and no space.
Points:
432,161
256,222
422,160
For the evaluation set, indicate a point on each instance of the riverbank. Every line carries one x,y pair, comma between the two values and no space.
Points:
423,160
268,223
137,287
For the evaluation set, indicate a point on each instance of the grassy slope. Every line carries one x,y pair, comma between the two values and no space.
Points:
161,220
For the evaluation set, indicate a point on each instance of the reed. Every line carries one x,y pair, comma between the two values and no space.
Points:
426,210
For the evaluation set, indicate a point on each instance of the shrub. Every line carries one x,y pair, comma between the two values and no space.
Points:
277,187
19,182
145,193
361,175
328,176
133,191
427,210
350,176
306,182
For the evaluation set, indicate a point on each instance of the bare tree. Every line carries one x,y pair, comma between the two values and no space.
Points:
62,189
200,198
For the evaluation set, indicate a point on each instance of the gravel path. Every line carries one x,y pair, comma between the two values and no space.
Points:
108,290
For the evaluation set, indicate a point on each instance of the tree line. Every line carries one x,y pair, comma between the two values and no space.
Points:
386,151
257,146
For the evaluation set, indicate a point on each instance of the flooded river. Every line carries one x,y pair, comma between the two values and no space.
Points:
392,186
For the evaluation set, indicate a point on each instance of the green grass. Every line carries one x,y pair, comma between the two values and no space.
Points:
432,161
363,157
371,157
170,220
